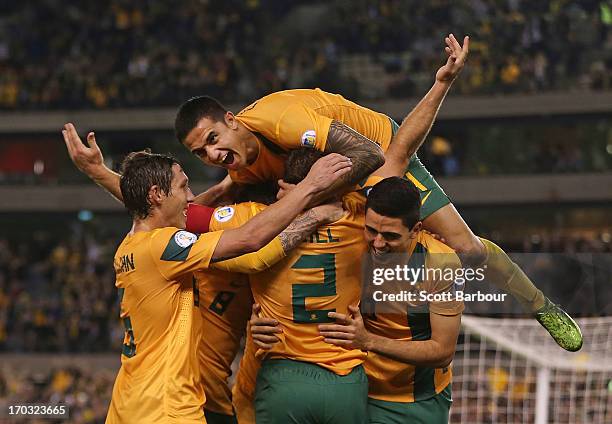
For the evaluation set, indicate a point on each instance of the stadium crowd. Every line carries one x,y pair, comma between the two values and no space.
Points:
86,392
125,52
59,295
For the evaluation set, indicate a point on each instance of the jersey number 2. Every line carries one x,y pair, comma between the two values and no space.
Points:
327,262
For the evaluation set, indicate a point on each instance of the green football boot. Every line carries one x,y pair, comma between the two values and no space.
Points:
563,329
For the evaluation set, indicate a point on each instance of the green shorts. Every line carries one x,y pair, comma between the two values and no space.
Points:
432,195
216,418
434,410
302,393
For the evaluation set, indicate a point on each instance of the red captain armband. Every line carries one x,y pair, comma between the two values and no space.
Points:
198,218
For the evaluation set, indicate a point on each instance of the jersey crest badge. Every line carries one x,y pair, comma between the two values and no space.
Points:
224,214
185,238
309,138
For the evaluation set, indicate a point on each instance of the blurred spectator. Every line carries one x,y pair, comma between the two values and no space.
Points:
86,392
60,54
58,296
440,158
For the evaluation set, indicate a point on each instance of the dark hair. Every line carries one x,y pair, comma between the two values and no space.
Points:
264,193
299,162
395,197
139,172
192,111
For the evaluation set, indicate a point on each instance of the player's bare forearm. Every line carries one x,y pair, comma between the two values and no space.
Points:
426,353
298,230
436,352
90,161
266,225
306,223
219,194
263,227
109,181
365,155
417,124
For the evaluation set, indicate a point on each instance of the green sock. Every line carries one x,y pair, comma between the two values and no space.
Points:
507,276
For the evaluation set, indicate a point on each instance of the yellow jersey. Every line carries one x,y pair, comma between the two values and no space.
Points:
243,392
159,380
321,275
291,119
394,381
225,304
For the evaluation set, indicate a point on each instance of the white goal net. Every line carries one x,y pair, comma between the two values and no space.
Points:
511,371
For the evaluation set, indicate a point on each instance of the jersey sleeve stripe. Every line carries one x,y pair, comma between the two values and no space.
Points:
174,252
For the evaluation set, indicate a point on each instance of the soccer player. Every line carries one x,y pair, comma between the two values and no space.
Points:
251,146
225,303
409,349
299,376
159,379
421,373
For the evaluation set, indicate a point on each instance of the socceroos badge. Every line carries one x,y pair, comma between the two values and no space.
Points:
309,138
185,238
224,214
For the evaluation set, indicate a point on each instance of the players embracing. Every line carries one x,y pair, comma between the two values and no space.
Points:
311,295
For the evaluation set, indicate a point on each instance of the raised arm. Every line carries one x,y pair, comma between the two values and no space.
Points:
89,160
417,124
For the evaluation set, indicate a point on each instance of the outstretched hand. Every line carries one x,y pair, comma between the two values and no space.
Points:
457,56
88,159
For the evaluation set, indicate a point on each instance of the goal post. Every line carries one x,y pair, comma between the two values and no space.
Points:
510,370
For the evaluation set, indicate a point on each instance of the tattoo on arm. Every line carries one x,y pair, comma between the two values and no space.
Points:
366,155
298,230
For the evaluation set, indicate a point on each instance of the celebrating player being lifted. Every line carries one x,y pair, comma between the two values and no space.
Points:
252,144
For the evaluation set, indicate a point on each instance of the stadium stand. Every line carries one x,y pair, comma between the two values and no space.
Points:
60,334
121,53
58,295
